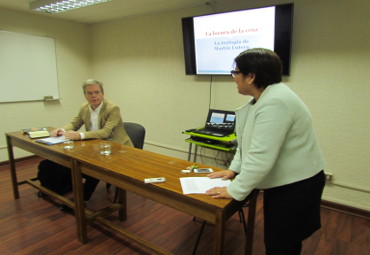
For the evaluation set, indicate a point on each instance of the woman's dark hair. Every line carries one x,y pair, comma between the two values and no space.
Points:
264,63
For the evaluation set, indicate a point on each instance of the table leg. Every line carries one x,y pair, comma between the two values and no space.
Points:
79,202
122,213
219,235
13,173
250,225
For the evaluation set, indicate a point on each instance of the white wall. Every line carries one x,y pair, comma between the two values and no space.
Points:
140,60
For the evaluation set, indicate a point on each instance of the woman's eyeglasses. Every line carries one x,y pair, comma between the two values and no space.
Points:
234,73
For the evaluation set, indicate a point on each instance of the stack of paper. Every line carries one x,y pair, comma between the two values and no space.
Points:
52,140
199,185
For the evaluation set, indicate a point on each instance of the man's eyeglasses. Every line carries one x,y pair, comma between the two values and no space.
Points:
234,73
93,93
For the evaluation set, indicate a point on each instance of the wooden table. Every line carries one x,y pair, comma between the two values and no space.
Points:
126,168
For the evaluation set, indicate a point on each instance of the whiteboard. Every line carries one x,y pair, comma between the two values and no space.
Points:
28,67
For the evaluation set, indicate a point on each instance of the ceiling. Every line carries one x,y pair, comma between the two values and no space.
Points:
110,10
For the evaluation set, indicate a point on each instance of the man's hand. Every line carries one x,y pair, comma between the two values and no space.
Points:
56,132
224,174
73,135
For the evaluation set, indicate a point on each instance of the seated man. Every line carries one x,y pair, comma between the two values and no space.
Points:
102,120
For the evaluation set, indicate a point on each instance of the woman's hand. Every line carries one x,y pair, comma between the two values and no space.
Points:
224,174
218,192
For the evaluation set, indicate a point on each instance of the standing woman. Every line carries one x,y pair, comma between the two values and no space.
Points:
277,152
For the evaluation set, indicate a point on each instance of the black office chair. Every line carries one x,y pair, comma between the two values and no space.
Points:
136,132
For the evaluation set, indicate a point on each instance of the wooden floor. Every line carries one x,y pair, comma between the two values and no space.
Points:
31,225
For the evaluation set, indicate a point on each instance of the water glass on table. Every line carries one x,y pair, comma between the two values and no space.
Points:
105,148
69,145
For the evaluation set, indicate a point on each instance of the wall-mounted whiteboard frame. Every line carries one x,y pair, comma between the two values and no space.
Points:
28,68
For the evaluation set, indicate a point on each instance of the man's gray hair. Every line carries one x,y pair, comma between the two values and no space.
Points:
90,82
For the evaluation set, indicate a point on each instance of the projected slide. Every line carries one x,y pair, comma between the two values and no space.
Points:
219,38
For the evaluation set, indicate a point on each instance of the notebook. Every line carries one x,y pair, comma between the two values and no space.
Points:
219,123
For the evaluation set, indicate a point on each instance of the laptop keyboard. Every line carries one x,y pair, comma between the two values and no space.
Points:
213,132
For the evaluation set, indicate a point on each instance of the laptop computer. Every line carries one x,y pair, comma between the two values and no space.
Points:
219,123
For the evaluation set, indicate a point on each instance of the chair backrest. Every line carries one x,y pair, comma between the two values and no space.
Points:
136,132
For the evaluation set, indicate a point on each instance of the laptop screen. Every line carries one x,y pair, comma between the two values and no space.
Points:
217,117
218,123
230,117
220,116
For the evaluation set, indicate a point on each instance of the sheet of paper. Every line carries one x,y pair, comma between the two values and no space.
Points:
52,140
199,185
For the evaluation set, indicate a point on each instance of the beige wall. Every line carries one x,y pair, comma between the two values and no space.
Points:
73,52
140,60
